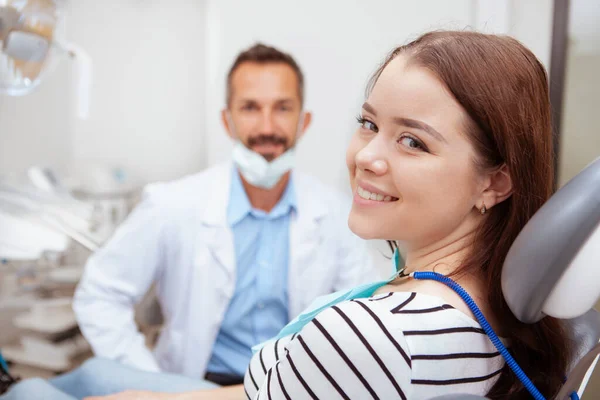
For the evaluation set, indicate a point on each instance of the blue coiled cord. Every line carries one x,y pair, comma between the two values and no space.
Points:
488,330
486,327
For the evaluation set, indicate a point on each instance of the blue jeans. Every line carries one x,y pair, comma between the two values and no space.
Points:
99,377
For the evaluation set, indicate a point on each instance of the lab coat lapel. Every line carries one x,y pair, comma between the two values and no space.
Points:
218,235
306,237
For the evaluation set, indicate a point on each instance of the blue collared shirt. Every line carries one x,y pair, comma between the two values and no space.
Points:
259,307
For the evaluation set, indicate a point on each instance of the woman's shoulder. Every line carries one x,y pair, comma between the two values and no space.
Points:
417,307
410,323
388,319
412,314
446,346
394,344
397,315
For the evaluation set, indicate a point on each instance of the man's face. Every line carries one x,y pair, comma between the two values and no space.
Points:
265,108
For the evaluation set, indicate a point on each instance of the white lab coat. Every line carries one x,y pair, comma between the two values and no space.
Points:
178,237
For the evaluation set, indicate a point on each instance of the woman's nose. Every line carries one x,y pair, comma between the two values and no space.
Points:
369,159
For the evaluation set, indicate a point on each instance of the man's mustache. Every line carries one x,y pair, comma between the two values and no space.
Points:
267,139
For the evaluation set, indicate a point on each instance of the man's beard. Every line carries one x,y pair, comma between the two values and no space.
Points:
271,139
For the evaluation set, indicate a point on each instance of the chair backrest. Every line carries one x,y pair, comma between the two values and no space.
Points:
552,269
552,266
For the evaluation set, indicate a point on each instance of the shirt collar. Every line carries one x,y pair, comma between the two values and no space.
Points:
239,204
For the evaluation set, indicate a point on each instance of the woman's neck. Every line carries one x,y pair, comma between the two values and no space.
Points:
443,256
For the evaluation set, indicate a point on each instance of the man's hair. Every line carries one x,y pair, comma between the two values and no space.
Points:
261,54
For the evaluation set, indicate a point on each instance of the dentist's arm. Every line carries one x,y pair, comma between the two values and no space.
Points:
115,279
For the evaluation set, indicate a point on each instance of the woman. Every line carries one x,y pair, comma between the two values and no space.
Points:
452,156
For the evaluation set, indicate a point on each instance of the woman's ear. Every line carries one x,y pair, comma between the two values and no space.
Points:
498,187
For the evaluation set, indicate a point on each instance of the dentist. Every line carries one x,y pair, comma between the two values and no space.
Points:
235,251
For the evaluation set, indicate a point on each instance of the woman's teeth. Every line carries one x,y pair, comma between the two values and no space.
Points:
365,194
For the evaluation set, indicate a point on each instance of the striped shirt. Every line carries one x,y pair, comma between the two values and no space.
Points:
397,345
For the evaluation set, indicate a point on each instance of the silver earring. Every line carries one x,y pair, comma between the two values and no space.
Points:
483,210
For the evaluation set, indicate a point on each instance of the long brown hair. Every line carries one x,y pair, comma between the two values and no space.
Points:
504,89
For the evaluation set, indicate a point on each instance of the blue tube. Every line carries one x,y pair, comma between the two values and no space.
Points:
486,327
574,396
3,363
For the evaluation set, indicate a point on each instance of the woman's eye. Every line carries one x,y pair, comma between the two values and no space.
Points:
411,143
368,125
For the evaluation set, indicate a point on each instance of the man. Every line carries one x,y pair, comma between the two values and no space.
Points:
235,251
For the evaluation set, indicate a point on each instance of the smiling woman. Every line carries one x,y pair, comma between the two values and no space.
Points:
452,156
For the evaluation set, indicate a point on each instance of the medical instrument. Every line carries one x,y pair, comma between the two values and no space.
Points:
31,44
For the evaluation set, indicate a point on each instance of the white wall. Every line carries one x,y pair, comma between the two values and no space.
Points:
160,76
584,33
35,128
531,22
148,93
580,136
338,44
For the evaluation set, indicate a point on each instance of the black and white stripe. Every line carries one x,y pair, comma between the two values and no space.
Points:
392,346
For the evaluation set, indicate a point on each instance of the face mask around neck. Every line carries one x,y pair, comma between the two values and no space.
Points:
255,169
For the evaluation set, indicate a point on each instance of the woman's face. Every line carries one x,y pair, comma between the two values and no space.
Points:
412,167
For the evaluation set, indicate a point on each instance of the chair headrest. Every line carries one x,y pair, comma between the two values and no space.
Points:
553,267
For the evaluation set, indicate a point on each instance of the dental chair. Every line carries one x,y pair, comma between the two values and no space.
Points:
553,269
